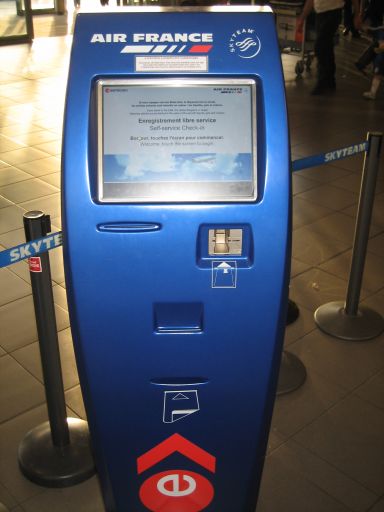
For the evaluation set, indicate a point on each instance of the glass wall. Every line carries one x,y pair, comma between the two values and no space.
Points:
15,24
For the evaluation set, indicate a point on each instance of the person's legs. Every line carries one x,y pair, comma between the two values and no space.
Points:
348,20
371,94
327,24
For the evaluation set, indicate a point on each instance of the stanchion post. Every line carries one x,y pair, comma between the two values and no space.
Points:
56,453
349,321
37,225
363,222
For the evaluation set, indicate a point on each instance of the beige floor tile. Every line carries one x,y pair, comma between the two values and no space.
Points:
74,400
379,506
12,287
301,184
305,212
84,497
284,489
302,326
60,296
11,434
22,156
29,358
331,197
35,138
298,267
339,226
357,451
6,498
49,205
13,129
316,287
27,190
15,333
376,245
347,364
306,466
326,173
3,165
11,174
294,410
53,179
42,166
372,390
53,148
377,213
5,202
312,248
373,277
7,144
353,183
376,302
23,390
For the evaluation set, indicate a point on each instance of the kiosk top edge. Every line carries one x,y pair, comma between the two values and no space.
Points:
158,9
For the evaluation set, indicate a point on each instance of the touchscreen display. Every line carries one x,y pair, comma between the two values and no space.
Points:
174,141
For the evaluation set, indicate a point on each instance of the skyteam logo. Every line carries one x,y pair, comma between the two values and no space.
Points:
245,43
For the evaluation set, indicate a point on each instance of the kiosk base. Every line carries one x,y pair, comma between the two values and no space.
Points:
292,374
52,466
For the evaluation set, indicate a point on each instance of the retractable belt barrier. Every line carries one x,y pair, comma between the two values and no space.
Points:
54,240
329,157
30,249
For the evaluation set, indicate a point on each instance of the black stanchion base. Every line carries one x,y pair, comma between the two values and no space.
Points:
50,466
332,319
292,374
292,313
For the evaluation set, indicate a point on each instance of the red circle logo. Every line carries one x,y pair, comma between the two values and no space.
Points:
176,491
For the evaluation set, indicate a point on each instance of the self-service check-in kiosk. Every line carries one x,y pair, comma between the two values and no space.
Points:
176,206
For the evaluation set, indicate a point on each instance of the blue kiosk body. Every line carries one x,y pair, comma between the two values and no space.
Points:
176,211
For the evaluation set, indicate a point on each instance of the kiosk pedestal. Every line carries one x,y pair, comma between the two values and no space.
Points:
176,209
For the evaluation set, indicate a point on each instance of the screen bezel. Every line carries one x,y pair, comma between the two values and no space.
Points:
174,197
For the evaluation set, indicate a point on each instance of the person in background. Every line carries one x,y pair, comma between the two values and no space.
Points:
348,20
328,18
378,66
373,19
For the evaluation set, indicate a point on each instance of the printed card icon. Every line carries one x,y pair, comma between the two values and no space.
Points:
224,274
179,404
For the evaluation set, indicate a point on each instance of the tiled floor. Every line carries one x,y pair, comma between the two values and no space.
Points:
326,451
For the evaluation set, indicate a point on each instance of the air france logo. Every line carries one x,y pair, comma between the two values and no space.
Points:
164,43
245,43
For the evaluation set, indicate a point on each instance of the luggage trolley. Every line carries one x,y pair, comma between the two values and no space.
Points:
290,39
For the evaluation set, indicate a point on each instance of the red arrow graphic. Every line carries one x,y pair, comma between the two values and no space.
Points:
176,443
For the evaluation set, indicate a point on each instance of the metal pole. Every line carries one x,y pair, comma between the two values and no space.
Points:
37,225
363,222
56,453
347,320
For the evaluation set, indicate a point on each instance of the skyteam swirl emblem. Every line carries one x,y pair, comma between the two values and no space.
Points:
245,43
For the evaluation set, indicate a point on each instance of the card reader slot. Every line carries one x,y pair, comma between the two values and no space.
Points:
128,227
